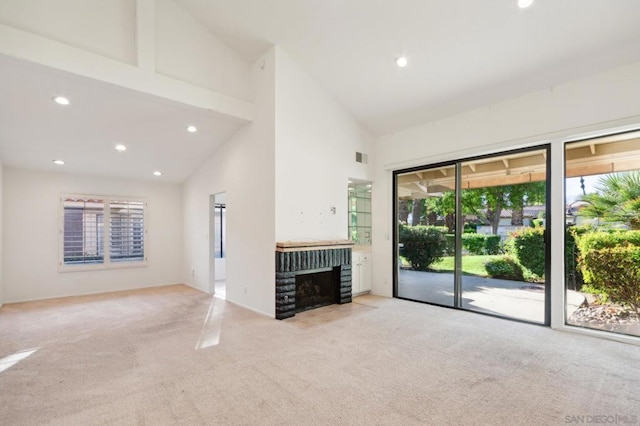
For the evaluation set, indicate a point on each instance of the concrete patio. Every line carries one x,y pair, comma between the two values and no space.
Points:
514,299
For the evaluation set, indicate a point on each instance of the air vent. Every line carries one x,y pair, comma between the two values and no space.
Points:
361,158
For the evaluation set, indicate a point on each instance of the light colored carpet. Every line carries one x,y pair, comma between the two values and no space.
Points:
174,355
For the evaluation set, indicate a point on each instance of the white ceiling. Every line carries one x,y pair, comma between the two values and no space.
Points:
34,130
462,53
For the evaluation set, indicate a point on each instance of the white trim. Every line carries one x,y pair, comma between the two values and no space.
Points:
557,232
583,132
33,48
146,34
106,263
601,334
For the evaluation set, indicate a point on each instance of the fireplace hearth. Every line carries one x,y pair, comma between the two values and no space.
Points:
311,274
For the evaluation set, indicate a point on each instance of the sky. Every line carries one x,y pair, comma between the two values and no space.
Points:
573,190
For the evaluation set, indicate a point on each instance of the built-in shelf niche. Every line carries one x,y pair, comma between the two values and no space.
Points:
360,212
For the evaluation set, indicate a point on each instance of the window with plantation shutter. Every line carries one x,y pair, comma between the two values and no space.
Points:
126,231
102,232
83,236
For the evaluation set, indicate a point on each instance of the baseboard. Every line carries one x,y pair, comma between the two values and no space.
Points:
7,302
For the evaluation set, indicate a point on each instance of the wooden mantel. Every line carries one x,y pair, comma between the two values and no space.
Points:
287,246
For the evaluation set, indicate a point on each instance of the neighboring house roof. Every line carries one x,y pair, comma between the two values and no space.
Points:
528,211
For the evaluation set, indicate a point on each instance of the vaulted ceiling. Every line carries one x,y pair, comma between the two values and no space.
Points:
461,54
34,130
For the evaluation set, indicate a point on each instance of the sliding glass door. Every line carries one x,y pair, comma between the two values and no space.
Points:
472,234
426,225
504,262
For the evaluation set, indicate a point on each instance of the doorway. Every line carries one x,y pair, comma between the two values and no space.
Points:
218,244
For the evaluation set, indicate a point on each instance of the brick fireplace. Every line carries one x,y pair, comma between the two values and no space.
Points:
310,274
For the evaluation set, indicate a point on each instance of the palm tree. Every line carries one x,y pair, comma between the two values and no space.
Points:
617,199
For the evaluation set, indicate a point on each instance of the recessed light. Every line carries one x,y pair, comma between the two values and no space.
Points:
402,61
58,162
61,100
523,4
121,148
192,129
157,173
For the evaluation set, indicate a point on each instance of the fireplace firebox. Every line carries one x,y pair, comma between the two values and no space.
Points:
311,274
316,289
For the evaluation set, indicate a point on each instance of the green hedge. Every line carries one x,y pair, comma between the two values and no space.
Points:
475,244
493,244
598,240
607,239
526,245
537,223
422,245
616,271
450,249
505,268
470,228
479,244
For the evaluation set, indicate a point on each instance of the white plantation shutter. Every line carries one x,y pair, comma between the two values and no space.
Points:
126,231
83,231
100,232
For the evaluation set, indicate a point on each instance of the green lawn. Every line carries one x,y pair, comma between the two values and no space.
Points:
471,265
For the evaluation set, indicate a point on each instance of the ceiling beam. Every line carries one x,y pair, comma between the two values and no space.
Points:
422,187
576,170
612,155
619,149
618,137
503,180
146,34
29,47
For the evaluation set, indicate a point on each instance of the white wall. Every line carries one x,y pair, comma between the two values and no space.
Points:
103,27
31,236
604,97
316,142
187,51
1,238
243,168
604,101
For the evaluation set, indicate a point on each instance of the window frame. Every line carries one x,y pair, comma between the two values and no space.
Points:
106,237
613,136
